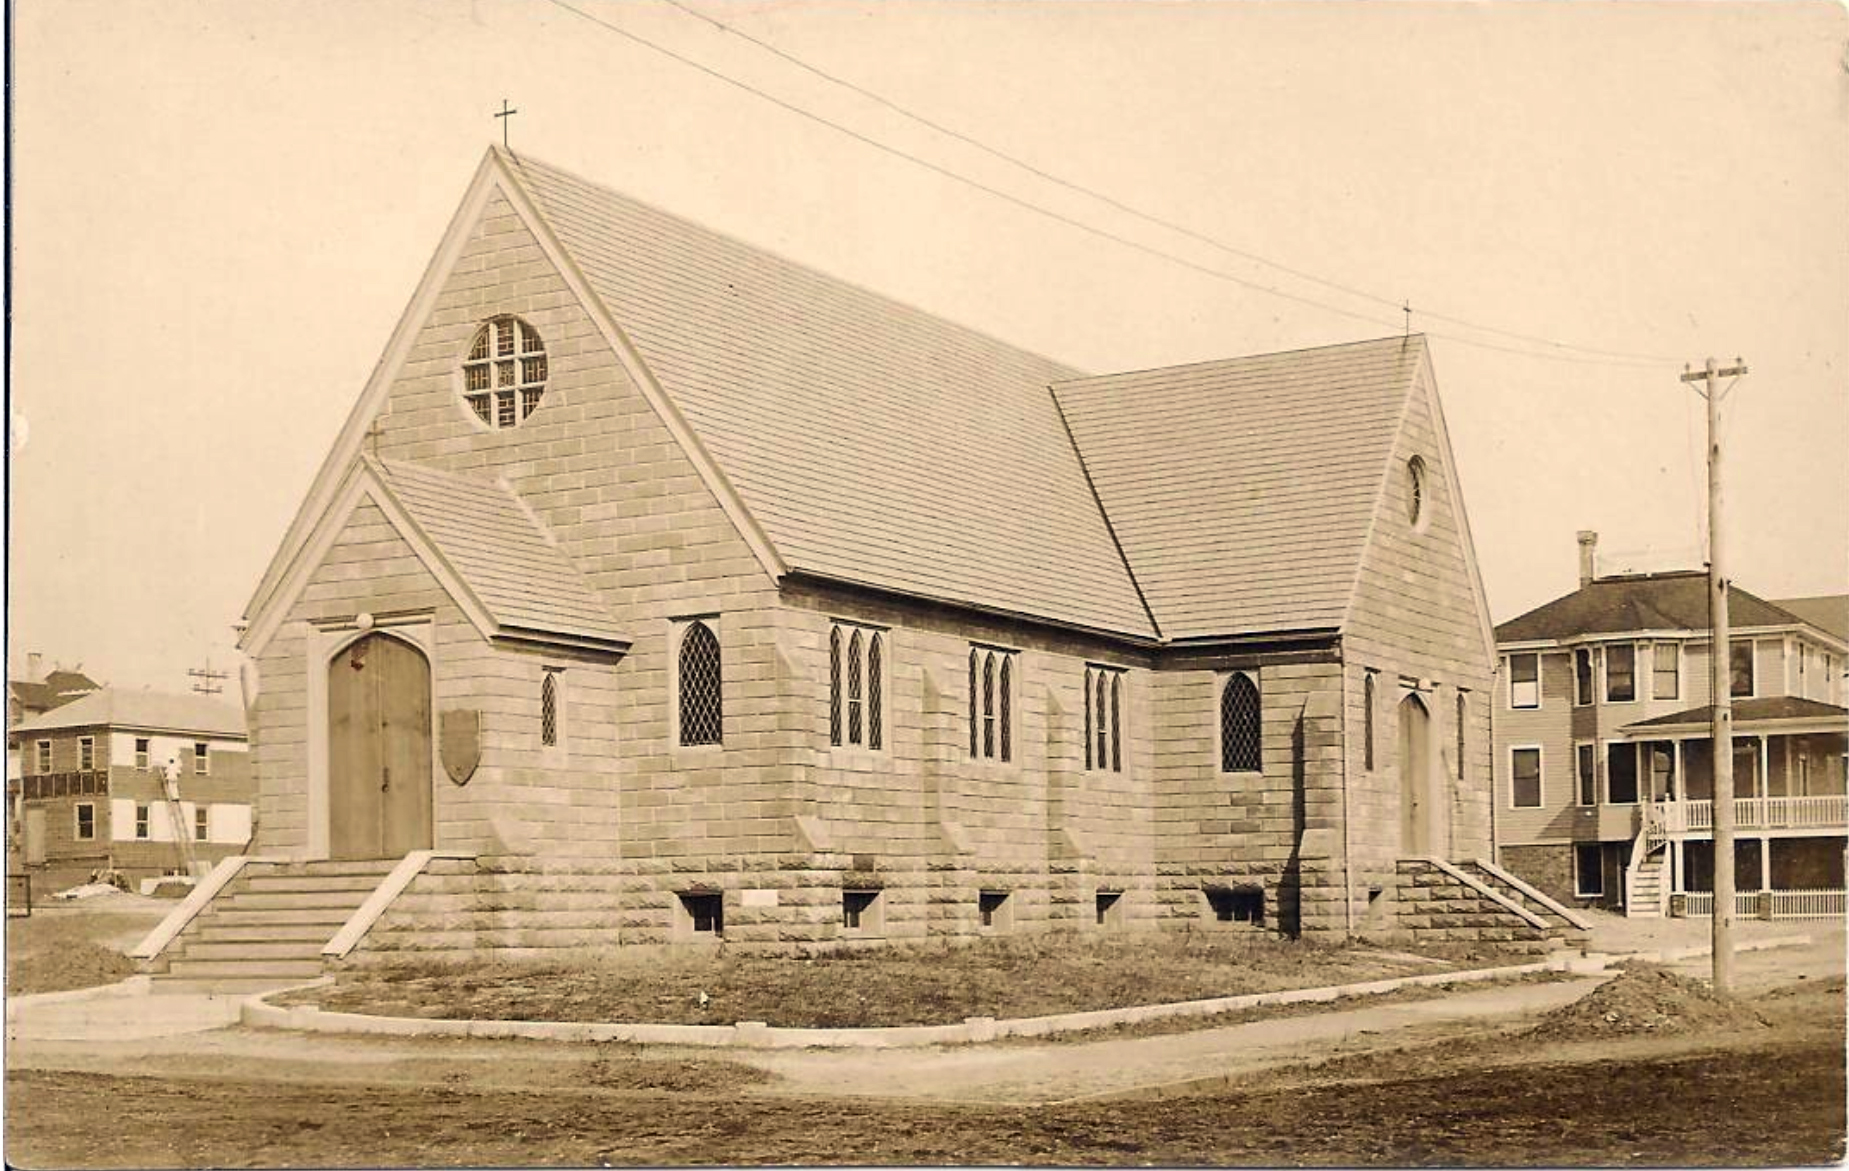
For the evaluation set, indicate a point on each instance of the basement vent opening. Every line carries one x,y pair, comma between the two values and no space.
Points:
705,912
860,910
1109,907
1239,904
992,905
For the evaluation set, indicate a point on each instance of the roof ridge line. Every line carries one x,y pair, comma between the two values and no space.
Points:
1375,341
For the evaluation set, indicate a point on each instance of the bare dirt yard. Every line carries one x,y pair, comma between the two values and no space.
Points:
78,944
919,985
1649,1070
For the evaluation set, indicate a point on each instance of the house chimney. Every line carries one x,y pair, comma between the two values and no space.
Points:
1588,556
34,661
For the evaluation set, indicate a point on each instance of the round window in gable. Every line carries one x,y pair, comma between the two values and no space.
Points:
505,373
1415,492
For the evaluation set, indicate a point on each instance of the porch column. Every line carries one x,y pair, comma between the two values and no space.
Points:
1765,863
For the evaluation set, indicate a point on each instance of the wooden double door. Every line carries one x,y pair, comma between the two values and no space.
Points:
378,737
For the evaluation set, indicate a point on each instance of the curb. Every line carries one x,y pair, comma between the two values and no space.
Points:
257,1013
137,985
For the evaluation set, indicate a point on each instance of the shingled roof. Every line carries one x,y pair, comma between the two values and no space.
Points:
1242,490
500,551
1827,612
150,711
874,442
1657,601
1747,712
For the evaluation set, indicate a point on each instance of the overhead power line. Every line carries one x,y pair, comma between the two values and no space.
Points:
1070,221
1131,210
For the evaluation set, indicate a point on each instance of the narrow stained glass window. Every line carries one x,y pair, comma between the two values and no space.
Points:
1007,708
1367,721
854,699
834,687
1240,746
702,718
549,710
875,718
974,744
988,706
1117,743
1088,722
1104,748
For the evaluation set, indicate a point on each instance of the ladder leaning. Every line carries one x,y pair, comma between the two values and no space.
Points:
176,816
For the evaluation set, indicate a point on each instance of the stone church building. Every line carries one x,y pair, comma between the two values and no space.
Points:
660,588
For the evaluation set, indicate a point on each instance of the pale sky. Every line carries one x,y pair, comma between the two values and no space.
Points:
221,208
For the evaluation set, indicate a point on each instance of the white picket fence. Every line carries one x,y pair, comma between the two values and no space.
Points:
1786,904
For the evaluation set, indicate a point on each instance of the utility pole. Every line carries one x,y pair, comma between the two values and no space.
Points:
1720,662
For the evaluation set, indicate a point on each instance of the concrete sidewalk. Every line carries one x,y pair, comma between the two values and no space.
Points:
120,1013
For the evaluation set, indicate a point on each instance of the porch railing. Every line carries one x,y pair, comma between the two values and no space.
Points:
1827,812
1786,904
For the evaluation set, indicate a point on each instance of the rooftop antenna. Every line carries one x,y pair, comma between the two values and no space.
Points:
207,681
506,113
1407,306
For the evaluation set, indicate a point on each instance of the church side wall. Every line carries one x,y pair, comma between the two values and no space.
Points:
1414,625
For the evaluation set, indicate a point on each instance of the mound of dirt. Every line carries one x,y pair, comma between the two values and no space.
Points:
1645,998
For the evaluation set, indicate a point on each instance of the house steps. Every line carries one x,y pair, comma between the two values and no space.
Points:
1563,923
268,926
1647,886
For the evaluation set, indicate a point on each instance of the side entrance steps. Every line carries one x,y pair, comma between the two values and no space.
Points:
266,926
1563,922
1649,888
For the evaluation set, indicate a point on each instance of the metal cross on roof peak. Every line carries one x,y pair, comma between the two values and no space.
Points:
505,113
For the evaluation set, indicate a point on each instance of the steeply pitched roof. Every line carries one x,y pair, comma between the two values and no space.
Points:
501,551
59,686
1657,601
1827,612
1242,490
873,442
1747,711
151,711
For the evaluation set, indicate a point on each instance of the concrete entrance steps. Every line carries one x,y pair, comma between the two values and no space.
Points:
268,927
1563,922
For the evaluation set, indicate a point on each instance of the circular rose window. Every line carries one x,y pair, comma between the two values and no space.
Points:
504,376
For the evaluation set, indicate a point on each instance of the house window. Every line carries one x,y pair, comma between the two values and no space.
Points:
1241,742
1589,870
1663,769
1582,676
86,753
860,910
200,822
701,715
855,657
1621,774
1104,748
1740,662
1524,681
1525,768
142,751
86,822
1666,672
1415,492
1586,757
992,908
141,823
504,376
1620,673
202,758
44,755
991,704
1367,721
703,912
551,713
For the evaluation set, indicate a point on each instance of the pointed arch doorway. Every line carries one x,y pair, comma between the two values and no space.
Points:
1417,803
379,757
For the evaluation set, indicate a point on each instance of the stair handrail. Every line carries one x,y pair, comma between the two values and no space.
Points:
203,892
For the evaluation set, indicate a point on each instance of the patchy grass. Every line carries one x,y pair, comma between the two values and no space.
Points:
71,947
897,985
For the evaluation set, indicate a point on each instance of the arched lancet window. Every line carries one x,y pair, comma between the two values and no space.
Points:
1415,492
834,687
702,717
875,717
1117,742
1240,739
549,709
1104,731
1088,720
855,698
988,705
1007,708
974,720
1463,713
1367,721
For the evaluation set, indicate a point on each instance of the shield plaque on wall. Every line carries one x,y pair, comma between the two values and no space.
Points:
461,743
